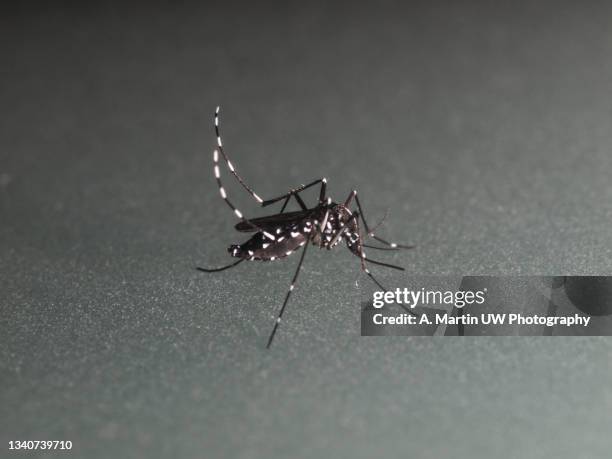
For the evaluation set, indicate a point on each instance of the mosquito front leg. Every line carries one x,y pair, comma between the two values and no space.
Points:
371,234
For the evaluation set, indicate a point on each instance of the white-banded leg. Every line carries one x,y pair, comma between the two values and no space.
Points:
236,212
223,194
371,234
249,189
291,287
229,163
295,192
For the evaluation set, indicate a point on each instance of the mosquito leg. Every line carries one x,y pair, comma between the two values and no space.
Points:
293,281
369,274
229,203
382,287
361,254
372,230
351,196
235,174
392,249
323,190
371,233
393,245
250,190
216,270
297,198
285,204
294,192
386,265
229,163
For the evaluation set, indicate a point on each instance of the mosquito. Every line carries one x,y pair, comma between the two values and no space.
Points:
280,235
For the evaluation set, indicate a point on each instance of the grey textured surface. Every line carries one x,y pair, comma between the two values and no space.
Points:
486,129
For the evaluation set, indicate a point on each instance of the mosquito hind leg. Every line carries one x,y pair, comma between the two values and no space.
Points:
295,192
229,163
299,200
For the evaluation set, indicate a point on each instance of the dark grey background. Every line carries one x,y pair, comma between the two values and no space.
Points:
485,128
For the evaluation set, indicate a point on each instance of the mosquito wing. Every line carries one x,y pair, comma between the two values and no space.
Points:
274,221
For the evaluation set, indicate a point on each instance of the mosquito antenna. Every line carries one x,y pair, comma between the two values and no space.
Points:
370,232
382,220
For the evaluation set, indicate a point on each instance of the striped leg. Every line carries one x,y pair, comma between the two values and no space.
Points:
361,254
293,281
229,203
250,190
229,163
236,211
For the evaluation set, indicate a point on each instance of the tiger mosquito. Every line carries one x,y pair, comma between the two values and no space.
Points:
280,235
